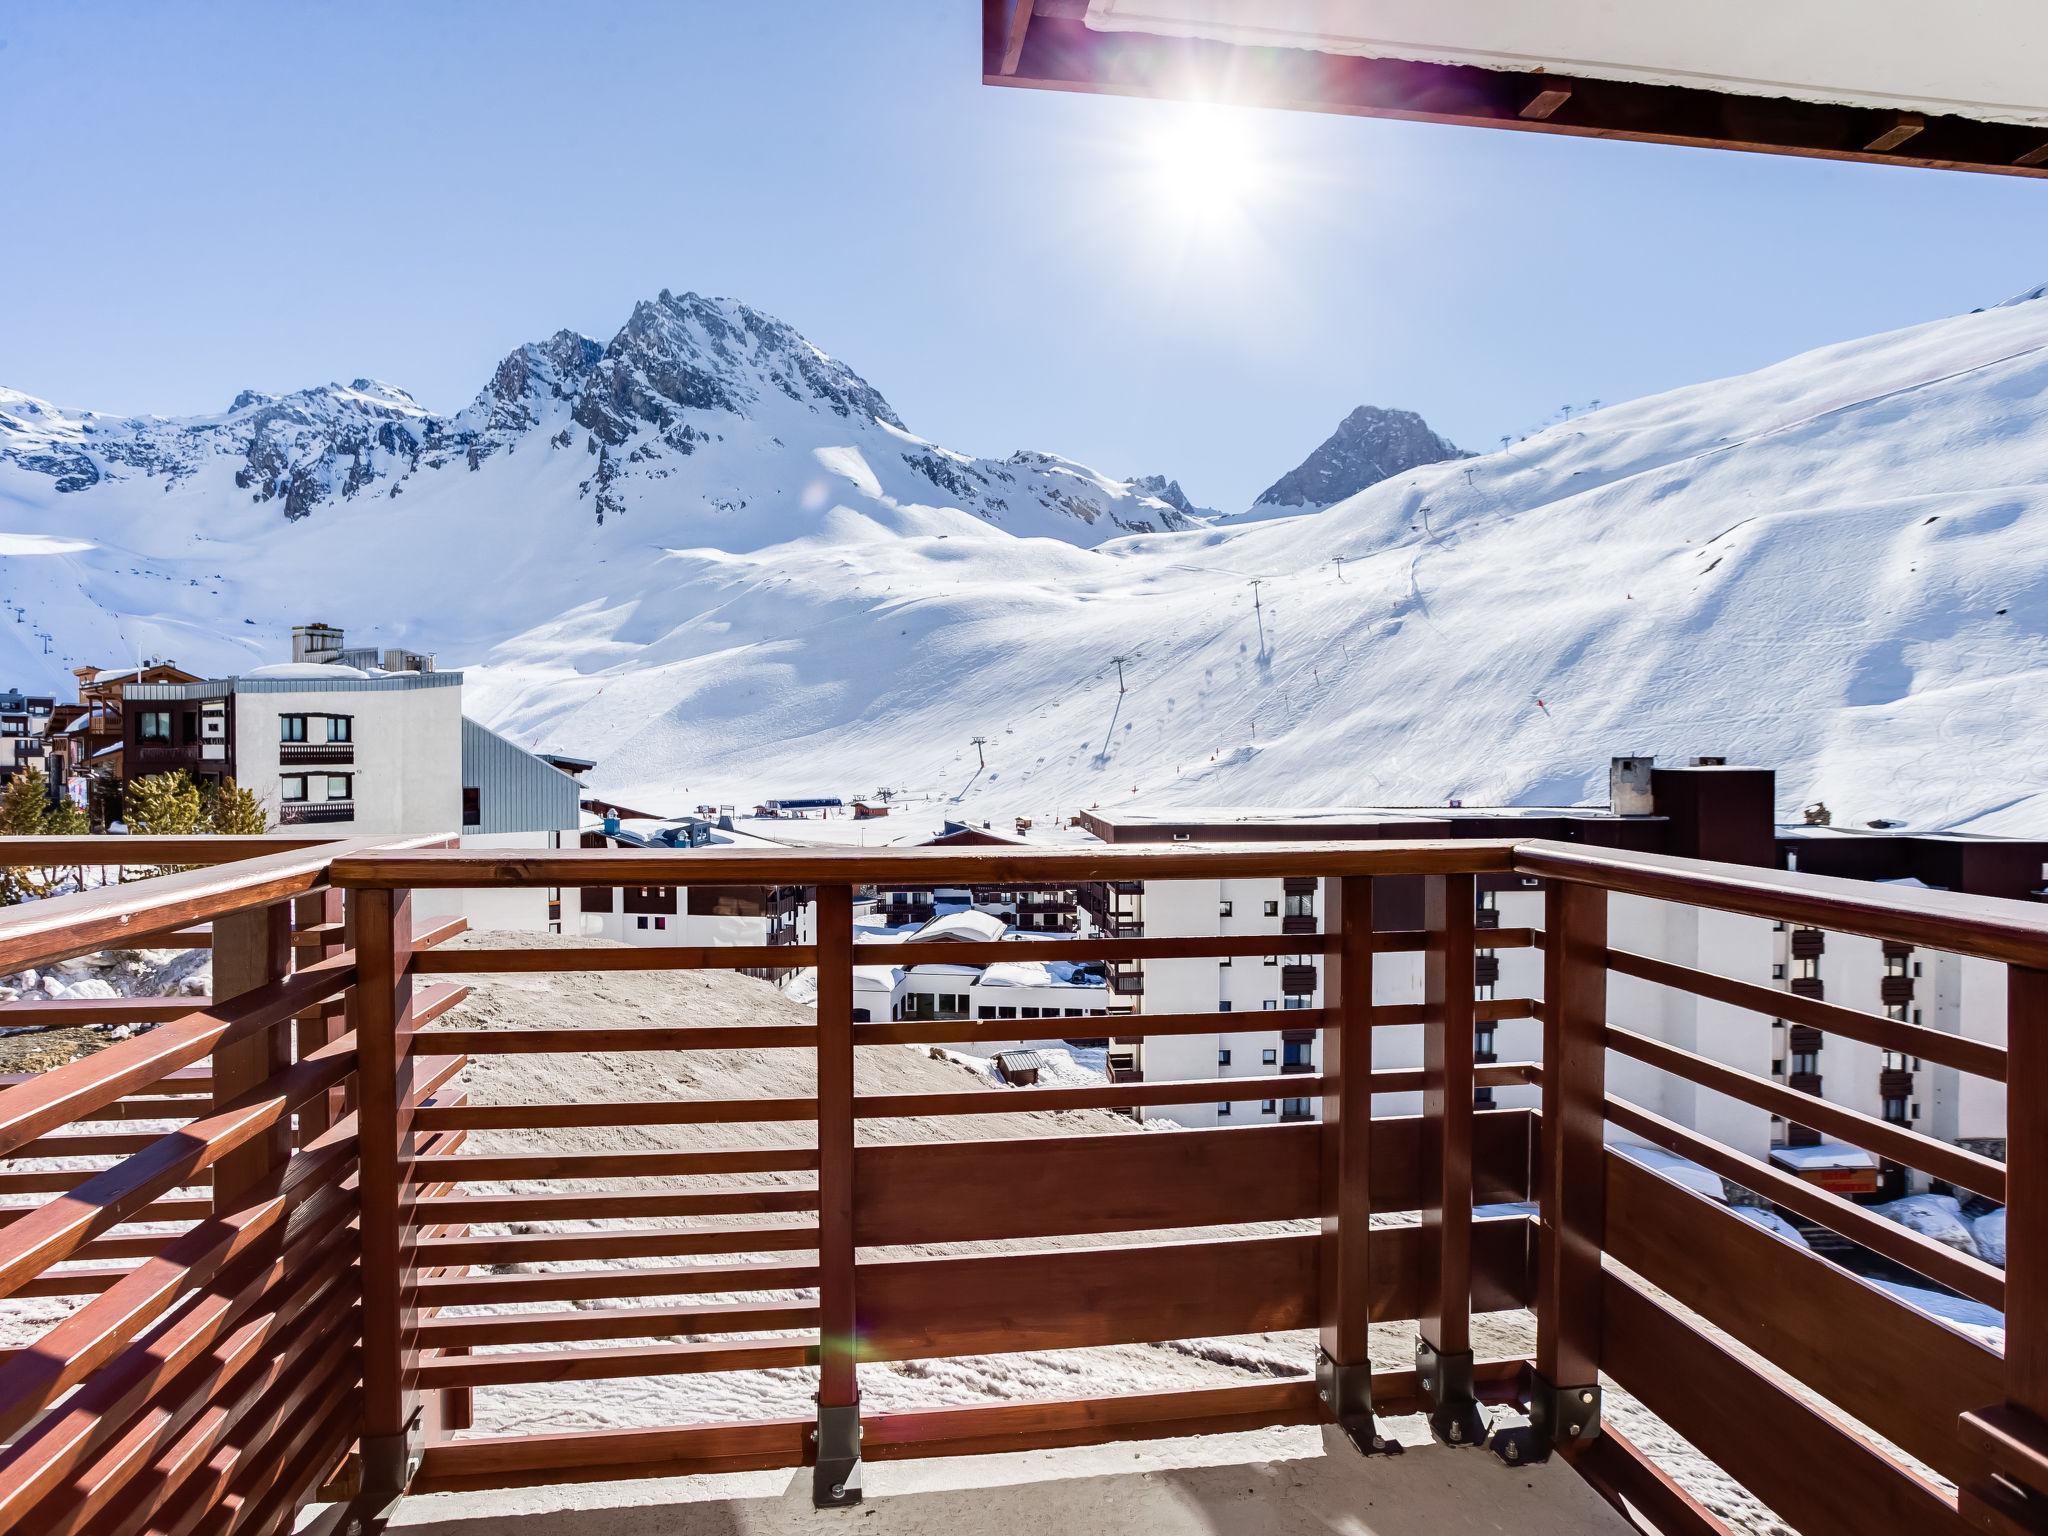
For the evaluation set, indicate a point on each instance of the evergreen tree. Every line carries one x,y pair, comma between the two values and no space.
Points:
26,811
233,811
162,805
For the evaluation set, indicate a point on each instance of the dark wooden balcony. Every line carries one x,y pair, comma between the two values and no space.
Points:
1808,986
1297,980
1893,1083
308,812
1298,923
1894,991
1803,1039
1486,970
355,1233
304,754
166,756
1808,943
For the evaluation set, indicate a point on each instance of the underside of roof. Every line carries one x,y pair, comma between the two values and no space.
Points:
1895,81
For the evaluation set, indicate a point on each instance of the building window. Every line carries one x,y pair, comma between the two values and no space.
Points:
1223,1056
641,921
155,725
1267,1106
338,786
860,1016
291,727
1805,1063
1272,909
1225,961
1777,973
1301,904
660,923
1895,1111
472,806
1223,1007
292,787
341,728
1032,1013
1006,1013
1269,1056
1778,1067
1297,1052
1223,909
1269,1005
1222,1110
1298,1108
1294,1000
985,1011
1272,959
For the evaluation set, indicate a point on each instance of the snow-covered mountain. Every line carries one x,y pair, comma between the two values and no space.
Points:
1370,445
1837,566
685,379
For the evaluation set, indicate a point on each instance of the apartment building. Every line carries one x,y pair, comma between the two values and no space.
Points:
334,748
24,734
1265,989
707,914
1045,910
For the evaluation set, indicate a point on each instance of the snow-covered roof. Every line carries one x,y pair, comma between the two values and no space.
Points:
970,925
1822,1155
1035,973
328,669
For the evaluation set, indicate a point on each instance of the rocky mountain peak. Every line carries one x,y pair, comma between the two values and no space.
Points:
1372,444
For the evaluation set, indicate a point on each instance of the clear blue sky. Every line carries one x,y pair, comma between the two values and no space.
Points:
204,197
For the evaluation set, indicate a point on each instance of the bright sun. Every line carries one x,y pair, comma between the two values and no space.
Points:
1202,165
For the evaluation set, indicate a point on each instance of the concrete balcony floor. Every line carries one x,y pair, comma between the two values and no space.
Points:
1275,1482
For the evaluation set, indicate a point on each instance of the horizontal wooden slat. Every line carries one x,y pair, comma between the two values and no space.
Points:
964,1191
1971,1277
1985,926
610,1284
581,1324
1823,1479
653,1243
1811,1318
908,867
574,1039
1086,1026
1072,1298
979,952
607,1364
90,1086
573,1456
1887,1034
1485,1010
1965,1169
571,958
74,1012
530,1117
465,1168
984,1101
612,1206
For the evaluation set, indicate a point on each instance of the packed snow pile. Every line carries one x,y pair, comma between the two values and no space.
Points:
1989,1232
707,543
1939,1217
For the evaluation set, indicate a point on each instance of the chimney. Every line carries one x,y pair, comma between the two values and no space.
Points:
1628,786
315,642
398,659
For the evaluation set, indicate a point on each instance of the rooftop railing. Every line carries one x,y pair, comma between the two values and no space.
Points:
274,1336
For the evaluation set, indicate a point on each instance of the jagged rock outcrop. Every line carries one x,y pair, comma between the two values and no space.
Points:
1370,445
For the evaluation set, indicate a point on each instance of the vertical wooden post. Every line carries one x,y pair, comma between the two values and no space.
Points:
1443,1355
836,1475
1571,1177
2011,1493
1344,1357
381,1010
2026,1190
323,1025
252,949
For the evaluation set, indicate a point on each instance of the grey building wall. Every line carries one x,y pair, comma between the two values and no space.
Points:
516,791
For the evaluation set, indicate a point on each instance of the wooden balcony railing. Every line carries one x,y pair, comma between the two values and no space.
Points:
288,1338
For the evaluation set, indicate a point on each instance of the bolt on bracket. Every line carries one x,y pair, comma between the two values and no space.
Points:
836,1475
1557,1416
1346,1395
1446,1381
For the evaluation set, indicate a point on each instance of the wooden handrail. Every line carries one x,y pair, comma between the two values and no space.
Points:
1988,927
473,868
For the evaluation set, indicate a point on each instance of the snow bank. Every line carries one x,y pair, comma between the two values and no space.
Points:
1937,1216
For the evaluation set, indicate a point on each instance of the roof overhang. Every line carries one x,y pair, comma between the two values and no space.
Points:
1962,87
